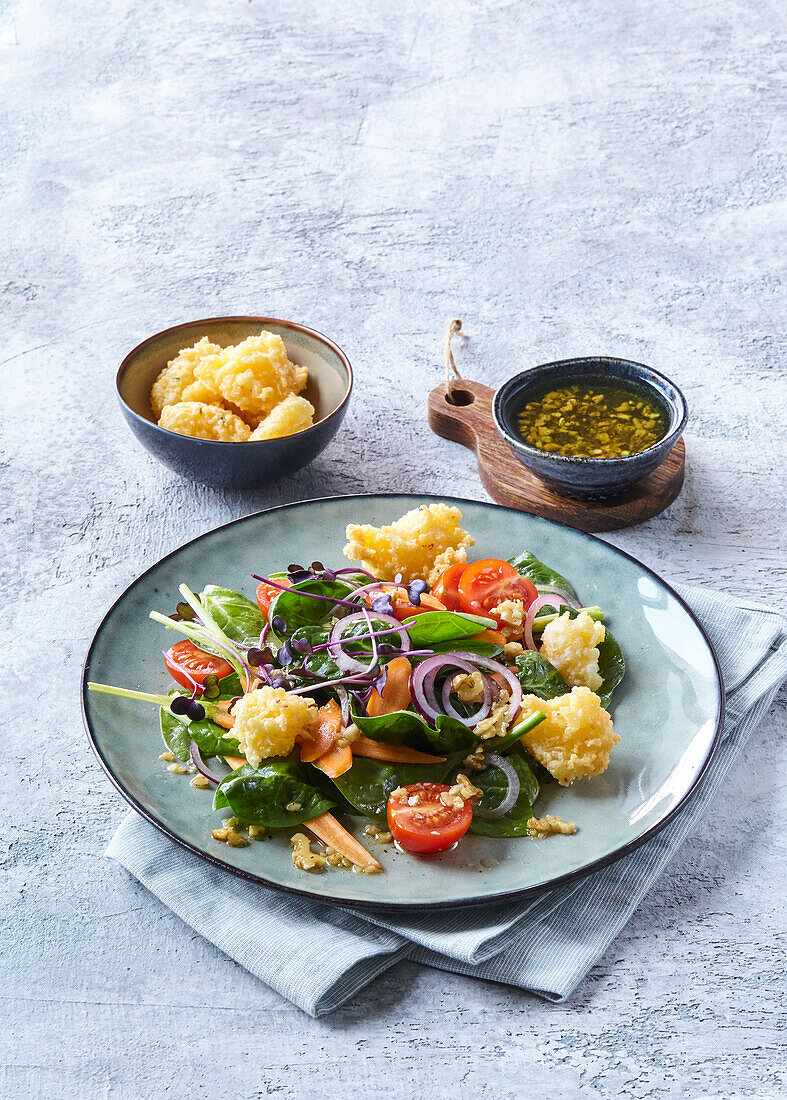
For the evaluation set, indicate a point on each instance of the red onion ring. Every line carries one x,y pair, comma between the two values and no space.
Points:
349,664
548,600
556,590
200,765
422,686
482,711
511,795
506,673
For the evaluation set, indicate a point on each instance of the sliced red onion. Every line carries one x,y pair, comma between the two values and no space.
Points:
556,590
200,765
422,685
510,678
549,600
483,709
349,664
511,795
344,700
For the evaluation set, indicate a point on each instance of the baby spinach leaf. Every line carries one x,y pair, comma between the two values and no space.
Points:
494,784
368,783
238,617
211,739
528,565
468,645
405,727
230,686
611,667
538,677
298,609
260,796
445,626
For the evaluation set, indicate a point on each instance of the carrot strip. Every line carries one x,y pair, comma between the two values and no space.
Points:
397,754
235,762
327,829
494,636
223,716
335,761
395,694
328,729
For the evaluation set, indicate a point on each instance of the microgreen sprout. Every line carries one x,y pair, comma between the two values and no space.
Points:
415,590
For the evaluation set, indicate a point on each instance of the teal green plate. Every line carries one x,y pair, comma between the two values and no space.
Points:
668,711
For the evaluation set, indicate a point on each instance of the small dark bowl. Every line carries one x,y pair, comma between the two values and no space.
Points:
237,465
589,478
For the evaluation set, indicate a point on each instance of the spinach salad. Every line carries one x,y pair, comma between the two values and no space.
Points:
430,712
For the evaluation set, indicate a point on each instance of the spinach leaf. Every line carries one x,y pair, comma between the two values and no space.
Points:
260,796
230,686
211,739
468,645
494,784
445,626
538,677
238,617
527,565
611,667
405,727
300,610
368,783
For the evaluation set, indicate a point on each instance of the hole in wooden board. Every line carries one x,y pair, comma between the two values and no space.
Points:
460,397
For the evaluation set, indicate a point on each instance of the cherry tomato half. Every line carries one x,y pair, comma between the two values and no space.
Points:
266,594
429,825
447,587
485,583
186,660
400,602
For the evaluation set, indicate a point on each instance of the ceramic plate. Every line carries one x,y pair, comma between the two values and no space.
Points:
668,710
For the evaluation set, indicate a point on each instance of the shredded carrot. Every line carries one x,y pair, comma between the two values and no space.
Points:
397,754
327,829
223,716
395,694
335,761
496,637
328,729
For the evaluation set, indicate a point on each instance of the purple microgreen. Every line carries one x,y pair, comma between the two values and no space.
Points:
195,711
382,604
303,592
415,590
279,625
184,611
180,705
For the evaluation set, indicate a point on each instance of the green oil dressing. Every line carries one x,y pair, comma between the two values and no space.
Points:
591,420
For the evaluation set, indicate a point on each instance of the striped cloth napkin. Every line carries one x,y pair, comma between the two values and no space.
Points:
318,955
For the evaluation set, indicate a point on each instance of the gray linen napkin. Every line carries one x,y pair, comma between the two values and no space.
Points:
318,955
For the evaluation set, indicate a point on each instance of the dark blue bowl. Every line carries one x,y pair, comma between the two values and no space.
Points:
589,478
237,465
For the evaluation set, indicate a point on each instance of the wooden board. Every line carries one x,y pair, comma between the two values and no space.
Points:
508,482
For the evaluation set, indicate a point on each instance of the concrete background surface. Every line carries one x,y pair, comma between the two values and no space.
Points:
567,178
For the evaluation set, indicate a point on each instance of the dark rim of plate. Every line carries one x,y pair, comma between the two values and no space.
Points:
671,437
510,895
319,336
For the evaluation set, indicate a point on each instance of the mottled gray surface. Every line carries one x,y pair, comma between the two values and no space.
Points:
567,178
